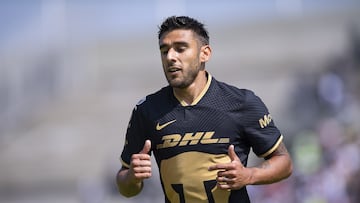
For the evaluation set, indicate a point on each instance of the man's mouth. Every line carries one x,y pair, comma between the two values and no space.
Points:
173,69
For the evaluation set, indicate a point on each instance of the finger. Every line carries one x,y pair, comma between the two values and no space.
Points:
144,169
225,174
147,147
141,161
143,175
222,179
223,185
218,167
232,154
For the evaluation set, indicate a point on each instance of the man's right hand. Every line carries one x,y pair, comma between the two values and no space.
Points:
130,180
140,165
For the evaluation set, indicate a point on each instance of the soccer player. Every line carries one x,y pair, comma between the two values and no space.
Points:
199,129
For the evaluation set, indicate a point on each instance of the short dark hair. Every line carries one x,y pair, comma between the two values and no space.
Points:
186,23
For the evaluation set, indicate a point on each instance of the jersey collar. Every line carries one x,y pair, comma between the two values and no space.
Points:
201,95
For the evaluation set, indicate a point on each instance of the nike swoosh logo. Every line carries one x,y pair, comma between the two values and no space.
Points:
160,127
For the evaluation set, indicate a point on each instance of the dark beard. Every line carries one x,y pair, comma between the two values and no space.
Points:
188,80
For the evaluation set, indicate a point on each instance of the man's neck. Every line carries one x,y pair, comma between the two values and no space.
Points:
189,94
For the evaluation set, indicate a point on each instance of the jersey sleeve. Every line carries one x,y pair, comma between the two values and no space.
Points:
135,137
261,132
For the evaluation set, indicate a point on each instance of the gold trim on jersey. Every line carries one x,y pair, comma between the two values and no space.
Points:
124,164
276,145
202,93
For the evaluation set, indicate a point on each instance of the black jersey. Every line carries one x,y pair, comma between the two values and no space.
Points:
187,139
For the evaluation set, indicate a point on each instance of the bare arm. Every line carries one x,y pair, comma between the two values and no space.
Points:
234,175
277,166
130,180
126,186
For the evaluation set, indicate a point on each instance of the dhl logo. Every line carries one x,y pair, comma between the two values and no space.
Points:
190,139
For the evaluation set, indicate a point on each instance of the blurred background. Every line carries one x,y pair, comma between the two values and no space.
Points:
71,72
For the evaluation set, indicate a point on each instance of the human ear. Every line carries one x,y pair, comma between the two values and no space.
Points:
205,53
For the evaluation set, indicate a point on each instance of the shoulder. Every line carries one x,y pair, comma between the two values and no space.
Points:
155,98
227,90
156,103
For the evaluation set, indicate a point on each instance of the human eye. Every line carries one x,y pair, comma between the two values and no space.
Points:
181,49
164,51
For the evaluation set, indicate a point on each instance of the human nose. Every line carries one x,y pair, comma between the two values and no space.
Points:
171,55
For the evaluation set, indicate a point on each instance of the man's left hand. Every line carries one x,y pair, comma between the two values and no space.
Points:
232,175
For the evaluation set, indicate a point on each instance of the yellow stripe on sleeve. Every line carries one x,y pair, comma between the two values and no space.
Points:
272,149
